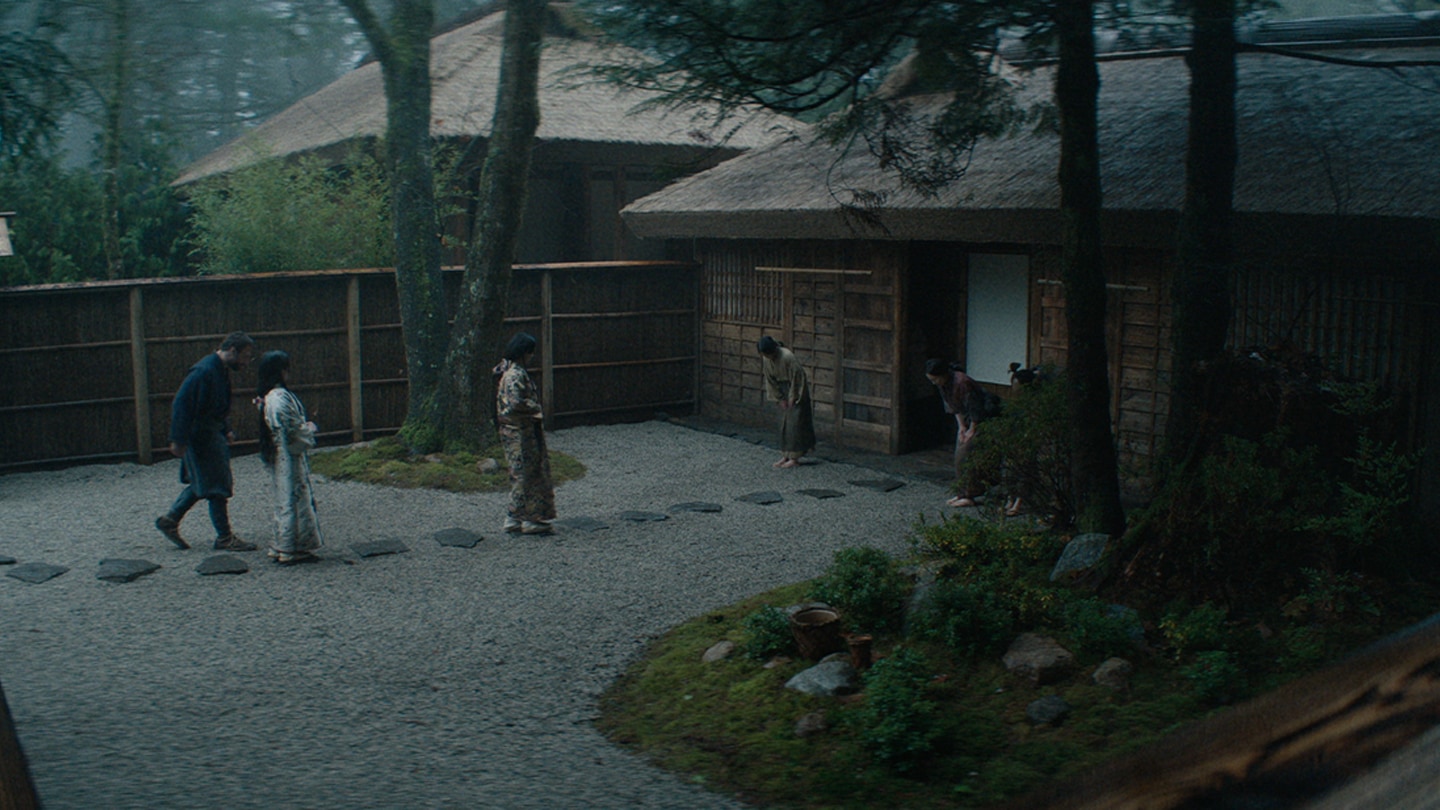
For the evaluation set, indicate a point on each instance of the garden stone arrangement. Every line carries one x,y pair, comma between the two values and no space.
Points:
428,659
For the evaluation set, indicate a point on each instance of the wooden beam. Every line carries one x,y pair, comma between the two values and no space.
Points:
817,270
140,375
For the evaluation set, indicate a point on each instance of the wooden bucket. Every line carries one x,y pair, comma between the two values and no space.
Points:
817,632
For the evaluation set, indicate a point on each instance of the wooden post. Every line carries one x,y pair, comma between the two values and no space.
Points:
140,375
547,350
698,273
352,328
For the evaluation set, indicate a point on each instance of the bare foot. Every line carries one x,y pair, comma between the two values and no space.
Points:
788,463
780,463
960,502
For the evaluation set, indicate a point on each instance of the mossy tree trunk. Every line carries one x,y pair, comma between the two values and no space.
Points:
1077,89
466,397
403,49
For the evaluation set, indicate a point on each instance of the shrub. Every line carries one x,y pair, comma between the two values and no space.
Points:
766,633
1008,560
1215,676
1025,452
895,722
866,586
1099,630
965,618
1202,628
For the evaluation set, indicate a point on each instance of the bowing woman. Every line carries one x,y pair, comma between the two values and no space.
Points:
286,438
787,384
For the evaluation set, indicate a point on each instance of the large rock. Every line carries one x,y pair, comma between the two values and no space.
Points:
1114,675
718,651
1040,659
1081,555
832,677
1047,711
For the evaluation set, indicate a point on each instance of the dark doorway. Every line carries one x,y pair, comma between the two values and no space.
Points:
932,330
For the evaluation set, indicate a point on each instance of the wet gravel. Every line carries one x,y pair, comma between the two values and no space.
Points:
438,677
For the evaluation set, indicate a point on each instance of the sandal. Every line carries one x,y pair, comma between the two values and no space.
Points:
959,502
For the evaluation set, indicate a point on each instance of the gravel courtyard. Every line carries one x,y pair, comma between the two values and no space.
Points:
438,677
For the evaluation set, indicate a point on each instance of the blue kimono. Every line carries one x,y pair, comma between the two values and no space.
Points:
200,420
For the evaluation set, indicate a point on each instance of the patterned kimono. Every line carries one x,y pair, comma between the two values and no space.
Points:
517,404
296,527
785,379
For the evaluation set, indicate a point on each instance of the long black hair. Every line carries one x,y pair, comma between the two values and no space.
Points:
270,374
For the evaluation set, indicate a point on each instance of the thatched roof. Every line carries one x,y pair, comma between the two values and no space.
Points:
465,68
1315,139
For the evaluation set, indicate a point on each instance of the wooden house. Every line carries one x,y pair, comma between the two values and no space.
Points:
1338,232
595,150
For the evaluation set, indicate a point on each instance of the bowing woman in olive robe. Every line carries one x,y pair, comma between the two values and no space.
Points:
787,384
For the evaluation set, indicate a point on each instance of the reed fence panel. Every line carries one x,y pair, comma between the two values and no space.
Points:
90,369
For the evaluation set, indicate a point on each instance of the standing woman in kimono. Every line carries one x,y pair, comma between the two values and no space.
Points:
286,438
518,420
787,384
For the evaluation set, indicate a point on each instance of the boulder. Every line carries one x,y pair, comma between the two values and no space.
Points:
1040,659
832,677
718,651
1081,555
1050,710
811,724
1114,675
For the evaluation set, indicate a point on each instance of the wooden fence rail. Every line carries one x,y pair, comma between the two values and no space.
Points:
89,369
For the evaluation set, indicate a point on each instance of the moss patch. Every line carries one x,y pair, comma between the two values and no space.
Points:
388,462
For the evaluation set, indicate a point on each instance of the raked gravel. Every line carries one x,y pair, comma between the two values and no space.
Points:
437,678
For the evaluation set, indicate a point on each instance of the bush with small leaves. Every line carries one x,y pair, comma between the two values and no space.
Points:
1215,675
896,721
766,633
967,619
866,586
1202,628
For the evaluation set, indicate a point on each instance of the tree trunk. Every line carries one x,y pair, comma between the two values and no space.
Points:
1077,88
112,130
1200,299
467,395
404,55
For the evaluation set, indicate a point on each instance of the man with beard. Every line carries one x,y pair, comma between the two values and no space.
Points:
200,435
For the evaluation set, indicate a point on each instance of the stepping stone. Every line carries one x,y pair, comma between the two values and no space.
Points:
584,524
695,506
36,573
221,564
390,545
6,560
113,570
764,498
457,538
880,484
643,517
822,494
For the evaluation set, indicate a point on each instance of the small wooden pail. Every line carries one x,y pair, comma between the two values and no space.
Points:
817,632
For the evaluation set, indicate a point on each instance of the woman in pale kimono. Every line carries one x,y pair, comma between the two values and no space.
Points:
286,438
518,419
787,384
